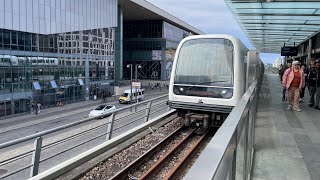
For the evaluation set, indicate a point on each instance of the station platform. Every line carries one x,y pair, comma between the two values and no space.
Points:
287,143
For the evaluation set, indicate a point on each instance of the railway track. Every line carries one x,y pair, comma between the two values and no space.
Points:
168,158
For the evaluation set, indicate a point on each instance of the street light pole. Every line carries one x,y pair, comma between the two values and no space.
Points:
136,78
130,65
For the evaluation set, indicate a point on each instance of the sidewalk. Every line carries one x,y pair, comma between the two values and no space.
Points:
287,143
68,108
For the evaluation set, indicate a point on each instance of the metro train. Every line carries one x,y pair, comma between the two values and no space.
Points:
9,60
210,74
44,61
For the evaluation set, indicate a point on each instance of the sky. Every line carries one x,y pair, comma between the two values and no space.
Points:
211,17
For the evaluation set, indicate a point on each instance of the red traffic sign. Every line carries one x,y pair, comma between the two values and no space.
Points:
136,84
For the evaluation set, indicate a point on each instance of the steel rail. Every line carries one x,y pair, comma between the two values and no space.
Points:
73,147
114,129
158,110
50,145
15,158
16,171
185,159
124,173
161,162
128,116
80,134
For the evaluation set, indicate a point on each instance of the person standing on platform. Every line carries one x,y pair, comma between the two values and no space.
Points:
312,65
34,107
303,67
38,108
312,82
293,80
289,65
280,71
317,79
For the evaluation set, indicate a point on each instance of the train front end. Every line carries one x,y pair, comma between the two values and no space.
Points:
207,80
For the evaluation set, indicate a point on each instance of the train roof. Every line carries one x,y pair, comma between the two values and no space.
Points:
233,39
7,56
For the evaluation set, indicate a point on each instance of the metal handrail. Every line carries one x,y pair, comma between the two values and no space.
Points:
38,147
218,160
43,133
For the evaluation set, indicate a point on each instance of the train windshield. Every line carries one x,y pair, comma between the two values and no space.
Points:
207,62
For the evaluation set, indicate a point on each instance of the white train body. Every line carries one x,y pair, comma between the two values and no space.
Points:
210,74
9,60
44,61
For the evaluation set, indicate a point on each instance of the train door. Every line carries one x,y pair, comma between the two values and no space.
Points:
5,108
252,64
21,106
2,109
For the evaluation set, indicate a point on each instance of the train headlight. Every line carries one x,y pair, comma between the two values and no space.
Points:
176,90
181,89
224,91
229,94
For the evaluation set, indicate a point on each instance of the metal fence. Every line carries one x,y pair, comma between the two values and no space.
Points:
51,144
229,154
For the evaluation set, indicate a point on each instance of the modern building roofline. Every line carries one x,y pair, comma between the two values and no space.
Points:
153,12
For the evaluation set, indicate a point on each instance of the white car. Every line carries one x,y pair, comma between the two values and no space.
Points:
102,109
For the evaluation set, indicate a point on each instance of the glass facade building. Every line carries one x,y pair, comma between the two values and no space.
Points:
55,52
152,44
58,52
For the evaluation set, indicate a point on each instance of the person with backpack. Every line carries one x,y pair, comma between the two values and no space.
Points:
293,81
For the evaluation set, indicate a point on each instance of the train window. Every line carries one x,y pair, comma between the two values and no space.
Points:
5,61
206,62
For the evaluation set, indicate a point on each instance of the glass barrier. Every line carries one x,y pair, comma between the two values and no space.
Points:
232,144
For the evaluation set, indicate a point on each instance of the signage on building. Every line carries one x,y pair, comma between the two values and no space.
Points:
289,51
136,84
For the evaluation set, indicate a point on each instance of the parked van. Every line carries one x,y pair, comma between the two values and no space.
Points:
137,94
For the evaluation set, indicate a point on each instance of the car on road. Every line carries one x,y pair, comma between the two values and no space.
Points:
102,109
137,95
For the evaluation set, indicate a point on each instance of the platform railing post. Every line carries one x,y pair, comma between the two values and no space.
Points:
36,157
148,109
110,126
135,107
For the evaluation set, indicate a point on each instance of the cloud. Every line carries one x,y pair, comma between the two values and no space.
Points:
209,16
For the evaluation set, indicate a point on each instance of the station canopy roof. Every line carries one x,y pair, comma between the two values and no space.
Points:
271,23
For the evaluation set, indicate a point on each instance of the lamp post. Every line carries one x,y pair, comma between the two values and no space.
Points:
136,77
130,65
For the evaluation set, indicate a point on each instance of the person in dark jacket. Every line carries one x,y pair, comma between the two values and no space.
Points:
304,68
281,71
317,85
313,82
312,64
